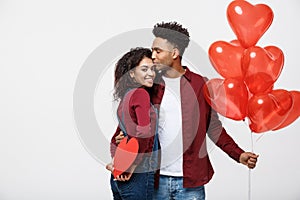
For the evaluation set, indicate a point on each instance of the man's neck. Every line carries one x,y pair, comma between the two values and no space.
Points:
174,72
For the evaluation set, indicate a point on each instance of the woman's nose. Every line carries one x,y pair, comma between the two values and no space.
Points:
151,72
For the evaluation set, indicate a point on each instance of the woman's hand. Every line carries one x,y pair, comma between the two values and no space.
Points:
109,167
126,175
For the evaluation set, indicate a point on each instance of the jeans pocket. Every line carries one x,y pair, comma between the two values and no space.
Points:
140,186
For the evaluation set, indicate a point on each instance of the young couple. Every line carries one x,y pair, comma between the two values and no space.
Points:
162,105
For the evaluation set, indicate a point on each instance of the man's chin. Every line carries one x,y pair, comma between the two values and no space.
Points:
161,67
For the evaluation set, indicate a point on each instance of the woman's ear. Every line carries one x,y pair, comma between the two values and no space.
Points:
131,74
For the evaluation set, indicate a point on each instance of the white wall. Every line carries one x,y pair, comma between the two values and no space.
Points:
43,46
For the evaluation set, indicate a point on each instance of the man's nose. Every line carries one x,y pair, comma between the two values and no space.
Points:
153,55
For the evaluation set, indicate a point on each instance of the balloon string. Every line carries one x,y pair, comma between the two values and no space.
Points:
249,170
260,137
252,150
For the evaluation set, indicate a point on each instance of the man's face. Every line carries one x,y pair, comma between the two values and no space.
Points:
162,53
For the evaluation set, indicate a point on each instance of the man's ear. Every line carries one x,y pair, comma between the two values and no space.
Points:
176,53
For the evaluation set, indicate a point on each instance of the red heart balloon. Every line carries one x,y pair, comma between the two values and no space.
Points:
228,97
249,22
125,155
268,111
226,58
262,67
294,113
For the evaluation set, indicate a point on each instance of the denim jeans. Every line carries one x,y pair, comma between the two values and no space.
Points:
172,188
139,187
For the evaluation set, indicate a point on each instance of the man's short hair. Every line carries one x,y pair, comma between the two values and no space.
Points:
174,33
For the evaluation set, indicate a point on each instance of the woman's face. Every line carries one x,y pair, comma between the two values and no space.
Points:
144,73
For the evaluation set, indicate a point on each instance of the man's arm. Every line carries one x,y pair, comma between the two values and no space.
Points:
219,136
115,141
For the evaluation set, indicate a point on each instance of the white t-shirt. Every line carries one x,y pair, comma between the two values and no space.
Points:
170,129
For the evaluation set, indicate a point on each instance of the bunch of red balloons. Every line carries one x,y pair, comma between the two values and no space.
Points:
249,73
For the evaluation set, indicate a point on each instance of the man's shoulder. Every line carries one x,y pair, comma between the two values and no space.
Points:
195,76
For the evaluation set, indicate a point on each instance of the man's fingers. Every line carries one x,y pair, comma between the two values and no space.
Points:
252,159
119,137
252,162
254,155
251,165
121,134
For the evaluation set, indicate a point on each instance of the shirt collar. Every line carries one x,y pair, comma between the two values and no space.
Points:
187,73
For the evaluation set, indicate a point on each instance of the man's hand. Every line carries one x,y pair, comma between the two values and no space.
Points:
249,159
119,137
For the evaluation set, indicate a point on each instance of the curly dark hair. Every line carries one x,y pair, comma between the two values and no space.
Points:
126,63
174,33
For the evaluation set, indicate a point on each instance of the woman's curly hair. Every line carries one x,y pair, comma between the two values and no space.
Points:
127,62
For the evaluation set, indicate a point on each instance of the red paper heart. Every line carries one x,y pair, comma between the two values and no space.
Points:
226,58
228,97
268,111
125,155
249,22
262,67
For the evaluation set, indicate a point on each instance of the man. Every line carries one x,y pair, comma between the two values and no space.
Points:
184,120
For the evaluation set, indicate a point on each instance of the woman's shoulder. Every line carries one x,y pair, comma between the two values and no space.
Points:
140,92
135,97
137,93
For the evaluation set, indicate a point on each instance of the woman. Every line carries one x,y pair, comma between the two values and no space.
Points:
134,75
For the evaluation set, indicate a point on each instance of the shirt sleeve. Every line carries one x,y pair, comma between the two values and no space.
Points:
219,136
141,104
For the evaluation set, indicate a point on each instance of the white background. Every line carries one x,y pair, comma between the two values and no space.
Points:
43,45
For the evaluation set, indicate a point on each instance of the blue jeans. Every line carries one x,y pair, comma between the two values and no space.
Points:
172,188
140,186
